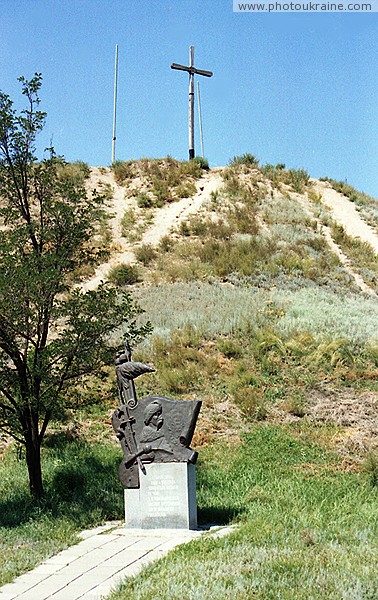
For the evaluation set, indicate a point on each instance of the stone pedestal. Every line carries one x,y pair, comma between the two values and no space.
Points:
166,498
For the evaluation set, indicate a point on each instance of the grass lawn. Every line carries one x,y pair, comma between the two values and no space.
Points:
306,525
82,491
308,529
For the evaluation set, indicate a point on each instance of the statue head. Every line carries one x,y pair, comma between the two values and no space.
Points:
152,414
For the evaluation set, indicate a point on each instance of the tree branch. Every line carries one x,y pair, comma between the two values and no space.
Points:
46,421
8,396
7,407
3,427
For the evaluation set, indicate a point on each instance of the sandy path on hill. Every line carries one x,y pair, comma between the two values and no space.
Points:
325,231
172,214
166,218
344,212
345,261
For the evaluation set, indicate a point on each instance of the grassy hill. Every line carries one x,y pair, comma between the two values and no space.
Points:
264,304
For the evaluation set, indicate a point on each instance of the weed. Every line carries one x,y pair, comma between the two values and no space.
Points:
198,226
296,406
370,466
251,403
77,172
186,190
144,200
145,253
123,171
246,159
184,228
121,275
202,162
298,179
166,243
229,348
107,191
214,197
128,221
166,180
314,196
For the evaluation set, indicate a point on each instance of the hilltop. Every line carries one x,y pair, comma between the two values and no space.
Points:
151,199
230,261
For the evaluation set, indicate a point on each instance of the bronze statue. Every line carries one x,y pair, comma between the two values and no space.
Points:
154,429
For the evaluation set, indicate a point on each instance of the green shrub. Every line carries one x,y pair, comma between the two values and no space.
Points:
190,168
184,228
144,200
106,191
76,172
198,226
202,162
123,171
230,348
145,254
251,403
298,179
123,274
246,159
128,222
166,243
186,190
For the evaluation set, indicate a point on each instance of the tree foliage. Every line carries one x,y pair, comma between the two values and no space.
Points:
51,332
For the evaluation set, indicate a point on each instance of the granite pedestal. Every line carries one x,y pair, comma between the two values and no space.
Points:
166,498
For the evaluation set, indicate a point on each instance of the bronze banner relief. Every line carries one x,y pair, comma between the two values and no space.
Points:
153,429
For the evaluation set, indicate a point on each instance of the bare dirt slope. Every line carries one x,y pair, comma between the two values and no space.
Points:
169,216
344,212
166,218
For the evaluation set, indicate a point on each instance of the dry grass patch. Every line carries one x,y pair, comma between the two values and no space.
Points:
356,413
164,179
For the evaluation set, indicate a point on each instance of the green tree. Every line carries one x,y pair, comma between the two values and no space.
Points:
51,332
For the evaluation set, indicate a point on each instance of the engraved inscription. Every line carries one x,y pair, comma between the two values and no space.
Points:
163,496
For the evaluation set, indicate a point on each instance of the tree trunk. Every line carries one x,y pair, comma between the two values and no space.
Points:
33,460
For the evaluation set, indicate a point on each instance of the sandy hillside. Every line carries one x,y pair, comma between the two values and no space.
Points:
165,219
344,212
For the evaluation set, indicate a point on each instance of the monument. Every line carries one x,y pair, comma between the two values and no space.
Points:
158,468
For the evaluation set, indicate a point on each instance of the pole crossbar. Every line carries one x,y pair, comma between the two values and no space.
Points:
191,69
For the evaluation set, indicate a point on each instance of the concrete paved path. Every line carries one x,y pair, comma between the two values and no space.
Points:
92,568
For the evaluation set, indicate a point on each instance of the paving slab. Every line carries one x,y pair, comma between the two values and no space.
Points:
94,567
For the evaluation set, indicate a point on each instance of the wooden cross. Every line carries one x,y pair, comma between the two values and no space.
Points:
192,71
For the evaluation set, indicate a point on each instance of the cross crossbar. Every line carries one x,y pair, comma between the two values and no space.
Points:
192,71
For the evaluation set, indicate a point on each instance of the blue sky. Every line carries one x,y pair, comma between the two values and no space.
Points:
294,88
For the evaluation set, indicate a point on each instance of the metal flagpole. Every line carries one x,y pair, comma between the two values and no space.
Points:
200,119
115,104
